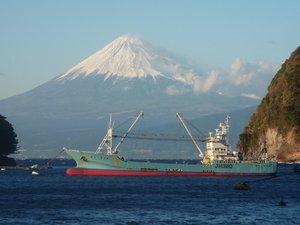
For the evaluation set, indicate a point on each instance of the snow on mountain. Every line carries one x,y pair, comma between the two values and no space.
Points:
127,57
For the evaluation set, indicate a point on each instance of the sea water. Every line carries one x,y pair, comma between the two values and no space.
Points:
54,198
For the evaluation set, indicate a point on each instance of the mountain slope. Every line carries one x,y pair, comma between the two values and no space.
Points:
126,76
126,57
276,122
128,70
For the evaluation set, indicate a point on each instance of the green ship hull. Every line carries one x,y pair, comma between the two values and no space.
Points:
98,164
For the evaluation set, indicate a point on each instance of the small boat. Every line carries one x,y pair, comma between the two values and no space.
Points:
218,159
34,166
35,173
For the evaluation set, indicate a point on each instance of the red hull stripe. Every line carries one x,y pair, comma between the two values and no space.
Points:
93,172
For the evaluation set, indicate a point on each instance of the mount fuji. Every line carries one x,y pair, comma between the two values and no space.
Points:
126,57
127,75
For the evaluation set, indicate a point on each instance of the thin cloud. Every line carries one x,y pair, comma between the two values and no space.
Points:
2,74
248,79
197,83
245,73
211,81
174,90
252,96
241,73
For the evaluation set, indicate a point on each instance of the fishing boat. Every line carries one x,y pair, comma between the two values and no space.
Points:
217,160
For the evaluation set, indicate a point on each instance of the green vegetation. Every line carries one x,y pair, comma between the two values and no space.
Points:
8,140
279,110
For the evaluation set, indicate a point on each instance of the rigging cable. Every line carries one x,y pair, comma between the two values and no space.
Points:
199,131
126,121
161,137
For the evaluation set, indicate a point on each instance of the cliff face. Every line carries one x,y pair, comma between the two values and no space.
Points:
276,122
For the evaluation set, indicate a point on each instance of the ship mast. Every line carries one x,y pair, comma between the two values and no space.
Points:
107,140
191,136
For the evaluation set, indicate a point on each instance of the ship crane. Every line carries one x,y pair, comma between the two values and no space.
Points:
191,136
128,131
107,140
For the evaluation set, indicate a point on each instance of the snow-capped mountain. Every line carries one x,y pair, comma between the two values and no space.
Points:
126,57
127,75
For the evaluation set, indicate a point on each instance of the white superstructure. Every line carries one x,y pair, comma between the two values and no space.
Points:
217,145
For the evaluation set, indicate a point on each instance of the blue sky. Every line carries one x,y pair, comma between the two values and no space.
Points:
41,39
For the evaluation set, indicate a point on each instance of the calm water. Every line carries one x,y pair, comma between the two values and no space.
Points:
54,198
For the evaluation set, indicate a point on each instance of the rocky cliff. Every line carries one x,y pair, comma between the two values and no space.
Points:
276,122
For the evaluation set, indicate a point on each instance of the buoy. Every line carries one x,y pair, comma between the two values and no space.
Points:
242,186
35,173
282,203
296,169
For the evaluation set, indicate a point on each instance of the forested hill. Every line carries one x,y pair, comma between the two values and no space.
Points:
276,122
8,142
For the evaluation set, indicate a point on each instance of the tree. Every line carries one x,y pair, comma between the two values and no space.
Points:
8,138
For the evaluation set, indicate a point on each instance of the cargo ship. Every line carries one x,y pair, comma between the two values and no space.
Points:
217,160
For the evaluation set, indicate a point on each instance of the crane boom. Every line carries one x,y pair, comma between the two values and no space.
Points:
191,136
129,129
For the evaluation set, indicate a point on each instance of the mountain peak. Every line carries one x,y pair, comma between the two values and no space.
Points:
127,38
125,57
